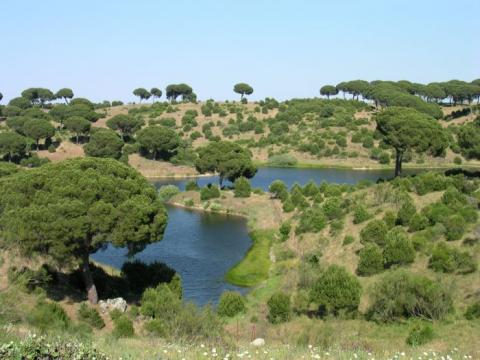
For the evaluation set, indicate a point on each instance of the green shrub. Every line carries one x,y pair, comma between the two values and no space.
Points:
282,160
191,185
278,189
420,335
336,291
449,260
371,260
242,187
389,218
288,205
374,232
90,316
360,214
311,220
310,189
52,148
231,303
336,226
48,315
473,311
457,160
332,207
417,222
297,198
115,314
285,230
401,294
398,248
384,158
123,327
348,240
156,327
455,227
405,213
166,192
279,309
209,192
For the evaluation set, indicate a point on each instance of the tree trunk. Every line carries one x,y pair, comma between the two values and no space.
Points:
77,138
37,144
398,163
88,280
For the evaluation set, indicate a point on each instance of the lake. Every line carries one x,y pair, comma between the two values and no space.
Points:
201,247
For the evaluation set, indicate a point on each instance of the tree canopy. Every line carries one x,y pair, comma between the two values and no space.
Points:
156,93
68,210
12,144
38,96
104,143
78,125
125,124
328,90
226,158
407,129
158,141
469,139
64,94
173,91
243,89
1,96
142,93
38,129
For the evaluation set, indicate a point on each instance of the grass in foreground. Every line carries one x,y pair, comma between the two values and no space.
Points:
254,267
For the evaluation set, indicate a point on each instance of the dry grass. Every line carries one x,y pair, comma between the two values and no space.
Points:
66,150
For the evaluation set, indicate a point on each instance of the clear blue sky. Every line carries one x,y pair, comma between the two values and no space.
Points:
103,49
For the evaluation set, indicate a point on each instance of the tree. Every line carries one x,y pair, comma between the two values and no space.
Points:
126,124
173,91
328,90
20,102
64,94
68,210
38,129
468,138
78,125
159,141
407,129
156,93
243,89
104,143
227,159
336,291
1,96
12,144
142,93
38,96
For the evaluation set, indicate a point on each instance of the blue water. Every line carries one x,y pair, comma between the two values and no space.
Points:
201,247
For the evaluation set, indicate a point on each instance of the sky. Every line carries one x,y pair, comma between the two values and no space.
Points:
104,49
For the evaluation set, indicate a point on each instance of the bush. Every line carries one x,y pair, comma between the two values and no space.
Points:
348,240
473,311
332,207
374,232
336,291
90,316
285,230
282,160
123,327
288,205
278,189
242,187
417,222
231,303
420,335
191,185
371,260
405,213
384,158
279,308
360,214
209,192
401,294
389,218
454,226
398,249
48,315
156,327
457,160
448,260
311,220
166,192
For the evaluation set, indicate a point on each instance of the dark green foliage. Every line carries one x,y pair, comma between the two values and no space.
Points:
420,335
230,304
125,124
398,249
401,294
243,89
349,239
328,90
336,291
417,222
141,276
360,214
173,91
156,327
332,207
310,189
91,316
473,311
48,316
405,213
33,161
370,261
7,169
158,141
448,259
389,218
278,189
374,232
142,93
209,192
227,159
123,327
191,185
288,205
469,140
90,202
12,145
104,144
65,94
455,227
285,230
78,125
311,220
242,187
38,129
166,192
279,309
